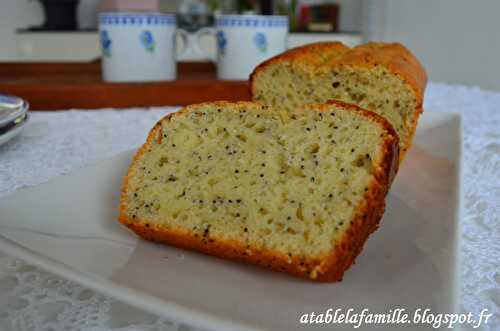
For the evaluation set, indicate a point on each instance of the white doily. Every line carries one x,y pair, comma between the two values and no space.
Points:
56,142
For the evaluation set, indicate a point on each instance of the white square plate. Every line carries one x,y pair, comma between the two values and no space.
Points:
68,226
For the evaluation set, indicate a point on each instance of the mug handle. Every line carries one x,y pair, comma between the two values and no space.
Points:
185,41
201,33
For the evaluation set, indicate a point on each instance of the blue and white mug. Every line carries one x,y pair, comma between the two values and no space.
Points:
244,41
139,47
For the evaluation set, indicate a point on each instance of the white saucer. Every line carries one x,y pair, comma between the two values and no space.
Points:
68,226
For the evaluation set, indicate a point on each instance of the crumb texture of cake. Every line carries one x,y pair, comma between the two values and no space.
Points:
382,77
295,191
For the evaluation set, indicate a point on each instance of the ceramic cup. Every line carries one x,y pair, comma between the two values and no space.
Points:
244,41
139,47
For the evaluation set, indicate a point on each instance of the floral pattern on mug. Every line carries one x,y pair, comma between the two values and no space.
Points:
148,41
260,41
221,42
106,43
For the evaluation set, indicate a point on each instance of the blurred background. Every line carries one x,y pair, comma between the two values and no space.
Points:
458,41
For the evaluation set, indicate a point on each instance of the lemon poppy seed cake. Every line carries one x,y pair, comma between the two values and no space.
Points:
295,191
382,77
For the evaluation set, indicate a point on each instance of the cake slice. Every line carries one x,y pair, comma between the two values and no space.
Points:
296,191
381,77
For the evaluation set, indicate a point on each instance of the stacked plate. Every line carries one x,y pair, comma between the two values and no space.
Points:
13,116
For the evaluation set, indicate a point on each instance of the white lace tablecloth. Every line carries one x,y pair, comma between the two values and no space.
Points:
57,142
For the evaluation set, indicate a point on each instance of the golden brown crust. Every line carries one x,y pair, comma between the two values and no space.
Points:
393,56
327,269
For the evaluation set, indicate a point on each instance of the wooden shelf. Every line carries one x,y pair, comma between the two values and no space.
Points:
60,86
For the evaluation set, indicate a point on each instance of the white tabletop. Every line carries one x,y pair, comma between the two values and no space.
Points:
54,143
